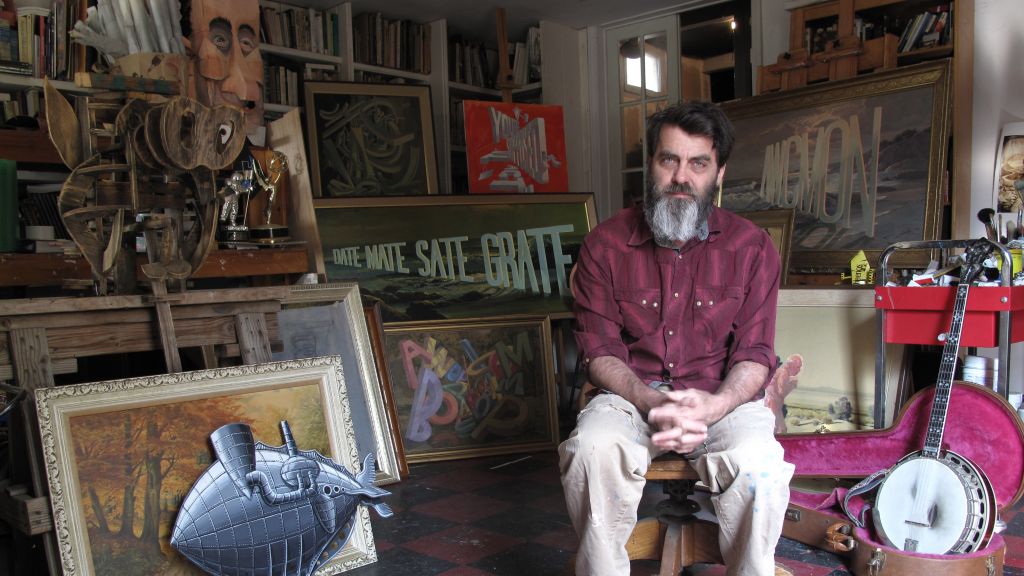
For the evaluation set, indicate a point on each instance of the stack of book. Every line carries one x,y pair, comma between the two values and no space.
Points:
927,29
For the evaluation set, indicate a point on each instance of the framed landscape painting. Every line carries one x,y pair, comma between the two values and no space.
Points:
370,139
862,161
515,148
473,388
121,455
448,257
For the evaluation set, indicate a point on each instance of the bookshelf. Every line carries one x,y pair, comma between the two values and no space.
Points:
433,67
836,39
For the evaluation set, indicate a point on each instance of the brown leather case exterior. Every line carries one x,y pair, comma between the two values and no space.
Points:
831,531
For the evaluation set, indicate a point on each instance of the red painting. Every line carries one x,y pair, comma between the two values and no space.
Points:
515,147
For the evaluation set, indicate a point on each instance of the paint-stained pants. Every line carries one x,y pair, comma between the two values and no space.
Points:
604,460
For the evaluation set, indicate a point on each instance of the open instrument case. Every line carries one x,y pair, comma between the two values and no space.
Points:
980,425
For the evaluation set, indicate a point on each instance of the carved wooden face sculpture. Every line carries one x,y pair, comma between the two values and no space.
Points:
225,38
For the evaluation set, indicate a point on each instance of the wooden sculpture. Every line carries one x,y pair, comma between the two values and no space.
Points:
158,179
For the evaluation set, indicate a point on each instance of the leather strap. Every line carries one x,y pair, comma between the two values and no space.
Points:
866,485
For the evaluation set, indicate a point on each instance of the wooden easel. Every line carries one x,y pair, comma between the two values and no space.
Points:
506,79
43,337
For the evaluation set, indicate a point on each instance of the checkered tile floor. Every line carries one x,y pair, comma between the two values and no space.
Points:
505,516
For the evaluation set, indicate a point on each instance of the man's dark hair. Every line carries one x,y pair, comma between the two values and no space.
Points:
696,118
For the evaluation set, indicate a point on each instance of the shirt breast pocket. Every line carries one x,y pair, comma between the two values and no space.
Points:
715,309
640,310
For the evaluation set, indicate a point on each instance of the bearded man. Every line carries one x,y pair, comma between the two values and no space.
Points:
675,318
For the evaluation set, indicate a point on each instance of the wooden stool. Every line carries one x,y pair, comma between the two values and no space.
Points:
676,535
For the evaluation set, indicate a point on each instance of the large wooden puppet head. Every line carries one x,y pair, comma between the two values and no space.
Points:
225,40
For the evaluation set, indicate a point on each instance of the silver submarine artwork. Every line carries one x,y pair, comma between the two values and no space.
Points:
270,510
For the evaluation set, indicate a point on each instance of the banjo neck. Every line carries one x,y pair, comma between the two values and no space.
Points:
940,405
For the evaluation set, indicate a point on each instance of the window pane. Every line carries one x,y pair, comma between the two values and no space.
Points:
632,136
630,72
656,65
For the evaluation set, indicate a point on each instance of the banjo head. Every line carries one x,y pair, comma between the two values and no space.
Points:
934,506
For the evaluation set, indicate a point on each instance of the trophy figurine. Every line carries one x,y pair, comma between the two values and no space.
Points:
268,232
236,193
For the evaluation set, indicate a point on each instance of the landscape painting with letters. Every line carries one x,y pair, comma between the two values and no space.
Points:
448,257
859,160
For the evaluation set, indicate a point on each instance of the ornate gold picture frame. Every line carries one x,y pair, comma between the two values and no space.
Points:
120,455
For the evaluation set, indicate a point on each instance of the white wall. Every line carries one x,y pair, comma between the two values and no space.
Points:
998,92
998,98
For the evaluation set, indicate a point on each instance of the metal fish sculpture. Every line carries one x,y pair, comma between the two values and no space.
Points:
271,510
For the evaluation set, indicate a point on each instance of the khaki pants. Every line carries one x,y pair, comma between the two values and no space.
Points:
604,460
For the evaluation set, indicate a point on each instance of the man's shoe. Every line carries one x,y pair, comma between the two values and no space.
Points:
781,570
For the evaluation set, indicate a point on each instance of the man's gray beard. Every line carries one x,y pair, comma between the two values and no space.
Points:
675,220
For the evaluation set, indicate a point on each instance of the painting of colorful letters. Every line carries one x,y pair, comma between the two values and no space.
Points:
473,388
513,147
860,160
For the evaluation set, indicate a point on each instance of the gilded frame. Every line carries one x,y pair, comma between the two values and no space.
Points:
389,126
862,160
778,223
74,421
441,256
308,314
473,388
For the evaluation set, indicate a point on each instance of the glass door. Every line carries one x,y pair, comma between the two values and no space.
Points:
643,77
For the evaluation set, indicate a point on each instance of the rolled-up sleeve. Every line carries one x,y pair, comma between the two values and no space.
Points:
598,320
754,326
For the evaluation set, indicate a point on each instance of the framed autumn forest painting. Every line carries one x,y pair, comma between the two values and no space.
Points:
121,455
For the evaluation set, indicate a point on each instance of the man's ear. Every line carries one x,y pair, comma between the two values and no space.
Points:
721,174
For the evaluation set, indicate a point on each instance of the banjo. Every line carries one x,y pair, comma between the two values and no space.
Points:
935,501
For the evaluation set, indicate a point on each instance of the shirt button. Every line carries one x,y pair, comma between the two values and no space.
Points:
671,365
671,333
675,295
699,303
711,302
644,302
655,304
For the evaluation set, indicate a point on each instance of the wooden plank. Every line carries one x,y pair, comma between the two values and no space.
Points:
84,341
113,317
285,135
253,338
29,515
191,298
122,83
165,327
30,352
62,366
53,269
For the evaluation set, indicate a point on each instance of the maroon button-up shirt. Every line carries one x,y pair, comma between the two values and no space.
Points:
682,316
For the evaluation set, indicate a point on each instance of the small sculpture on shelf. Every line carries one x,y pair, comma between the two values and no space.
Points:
267,231
236,193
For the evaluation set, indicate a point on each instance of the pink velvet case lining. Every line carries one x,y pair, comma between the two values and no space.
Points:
980,426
